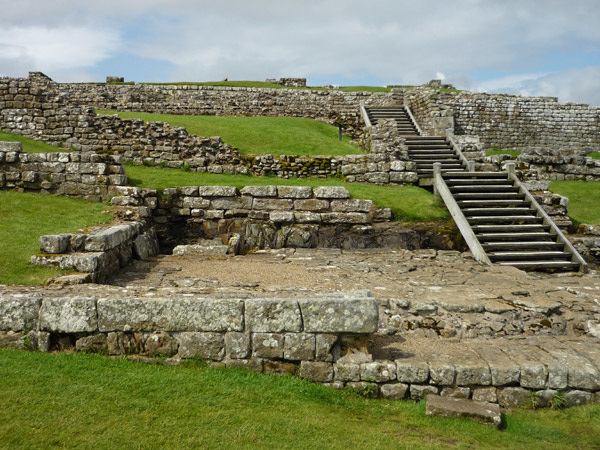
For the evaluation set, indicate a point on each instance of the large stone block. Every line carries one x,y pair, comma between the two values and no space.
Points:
160,343
379,371
455,407
217,191
321,372
267,345
412,370
109,238
260,191
201,345
299,346
19,312
294,191
54,243
170,314
340,315
312,204
351,205
273,315
331,192
346,372
237,344
68,314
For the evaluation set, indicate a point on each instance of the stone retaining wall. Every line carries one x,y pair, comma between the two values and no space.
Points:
567,164
99,253
86,175
323,339
260,216
508,121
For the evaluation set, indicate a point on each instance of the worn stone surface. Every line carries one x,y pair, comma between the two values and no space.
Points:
394,391
378,371
412,370
455,407
421,391
170,314
96,343
346,372
510,397
237,344
19,312
160,344
69,314
358,315
299,346
201,345
267,345
273,315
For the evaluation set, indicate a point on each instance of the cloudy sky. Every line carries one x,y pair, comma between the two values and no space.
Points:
532,47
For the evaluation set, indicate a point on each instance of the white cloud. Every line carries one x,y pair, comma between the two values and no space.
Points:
54,49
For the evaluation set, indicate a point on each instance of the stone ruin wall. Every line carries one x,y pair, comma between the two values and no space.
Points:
508,121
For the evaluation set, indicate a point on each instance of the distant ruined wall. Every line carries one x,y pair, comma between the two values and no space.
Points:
509,121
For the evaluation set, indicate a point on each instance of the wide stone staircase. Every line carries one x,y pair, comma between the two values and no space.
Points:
507,223
499,219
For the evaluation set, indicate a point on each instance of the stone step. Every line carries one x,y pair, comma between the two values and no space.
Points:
540,236
488,195
516,219
508,228
482,203
523,245
486,182
539,256
484,188
482,175
542,265
435,157
497,211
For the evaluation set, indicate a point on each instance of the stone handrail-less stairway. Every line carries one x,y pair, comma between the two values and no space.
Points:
497,216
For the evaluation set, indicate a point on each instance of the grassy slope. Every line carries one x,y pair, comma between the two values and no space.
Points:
513,153
584,196
594,155
407,202
24,217
261,135
86,401
29,145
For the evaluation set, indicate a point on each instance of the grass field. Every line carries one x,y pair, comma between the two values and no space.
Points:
30,145
24,217
594,155
584,196
408,203
260,135
492,152
87,401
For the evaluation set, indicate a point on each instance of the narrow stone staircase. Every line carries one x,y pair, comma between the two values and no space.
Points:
506,223
426,150
406,126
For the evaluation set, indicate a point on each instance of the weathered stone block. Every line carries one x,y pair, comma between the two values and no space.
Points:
160,343
394,391
68,314
312,204
321,372
272,204
108,238
170,314
299,346
55,243
294,191
306,217
510,397
196,203
120,343
346,372
533,375
379,371
237,345
254,364
146,245
260,191
455,407
12,339
442,374
456,392
412,370
421,391
340,315
351,205
472,374
331,192
282,217
96,343
325,346
267,345
339,217
279,368
273,315
19,312
201,345
485,394
217,191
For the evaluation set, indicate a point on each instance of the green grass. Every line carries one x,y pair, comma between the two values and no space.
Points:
584,196
24,217
594,155
86,401
260,135
408,203
30,145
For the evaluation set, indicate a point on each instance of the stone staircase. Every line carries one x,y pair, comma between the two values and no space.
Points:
427,150
406,126
503,224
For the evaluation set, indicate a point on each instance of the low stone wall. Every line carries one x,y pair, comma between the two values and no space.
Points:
85,175
567,164
261,216
99,253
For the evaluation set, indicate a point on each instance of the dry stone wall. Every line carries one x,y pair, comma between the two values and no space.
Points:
508,121
79,174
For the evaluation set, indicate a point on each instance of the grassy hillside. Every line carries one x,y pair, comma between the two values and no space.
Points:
260,135
584,196
30,145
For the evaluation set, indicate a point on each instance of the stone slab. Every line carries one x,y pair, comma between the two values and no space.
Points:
19,312
340,315
68,314
457,407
